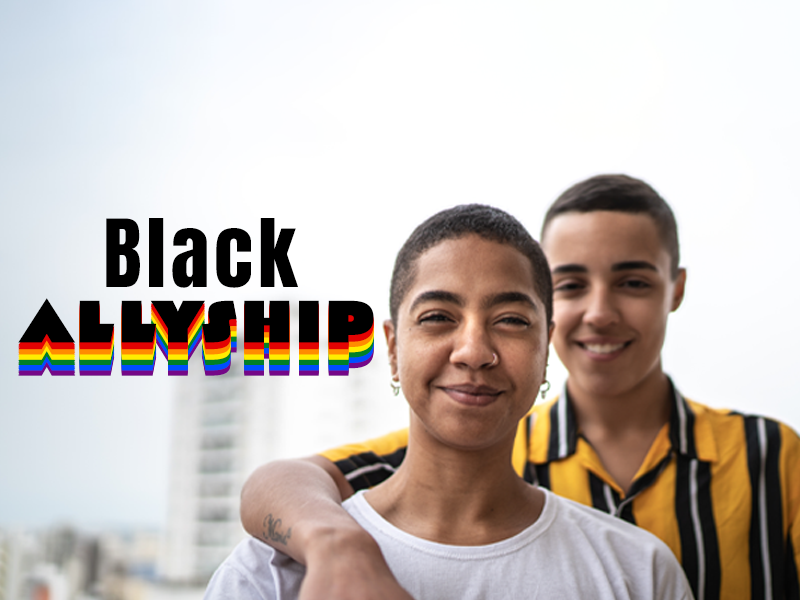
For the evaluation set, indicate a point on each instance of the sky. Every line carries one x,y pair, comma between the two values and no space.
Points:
351,122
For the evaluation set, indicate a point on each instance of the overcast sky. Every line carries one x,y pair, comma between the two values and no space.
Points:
351,122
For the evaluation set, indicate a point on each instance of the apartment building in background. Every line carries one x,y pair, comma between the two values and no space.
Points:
223,427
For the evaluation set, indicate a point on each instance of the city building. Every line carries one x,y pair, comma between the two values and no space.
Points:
224,426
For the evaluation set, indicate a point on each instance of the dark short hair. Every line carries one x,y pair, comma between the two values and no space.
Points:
621,193
484,221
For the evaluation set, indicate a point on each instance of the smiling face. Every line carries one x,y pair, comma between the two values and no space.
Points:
470,300
612,295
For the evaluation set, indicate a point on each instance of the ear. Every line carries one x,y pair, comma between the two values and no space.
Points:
391,342
680,287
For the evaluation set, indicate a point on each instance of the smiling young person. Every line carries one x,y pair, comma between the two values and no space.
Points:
720,488
471,307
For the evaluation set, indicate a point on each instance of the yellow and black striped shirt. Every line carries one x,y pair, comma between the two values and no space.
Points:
722,489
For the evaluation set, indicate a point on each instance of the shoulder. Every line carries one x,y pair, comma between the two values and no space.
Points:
607,533
367,464
385,445
631,558
755,428
731,428
254,571
723,418
607,529
769,449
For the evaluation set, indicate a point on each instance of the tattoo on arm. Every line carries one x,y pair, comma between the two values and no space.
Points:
272,530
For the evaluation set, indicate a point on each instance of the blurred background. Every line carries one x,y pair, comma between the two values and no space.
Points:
349,122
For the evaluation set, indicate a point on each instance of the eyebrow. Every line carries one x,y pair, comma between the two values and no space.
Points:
509,298
629,265
437,295
633,264
491,301
571,268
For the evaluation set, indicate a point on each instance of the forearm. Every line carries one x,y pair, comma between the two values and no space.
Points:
295,507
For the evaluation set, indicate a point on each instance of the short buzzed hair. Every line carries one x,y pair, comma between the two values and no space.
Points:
484,221
621,193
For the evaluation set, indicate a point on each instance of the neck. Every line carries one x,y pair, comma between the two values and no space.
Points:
454,496
621,428
644,407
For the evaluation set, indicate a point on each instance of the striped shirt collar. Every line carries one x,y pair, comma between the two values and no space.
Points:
690,432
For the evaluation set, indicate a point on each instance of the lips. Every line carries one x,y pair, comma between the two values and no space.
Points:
603,349
472,395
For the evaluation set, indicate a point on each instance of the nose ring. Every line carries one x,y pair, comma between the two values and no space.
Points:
495,361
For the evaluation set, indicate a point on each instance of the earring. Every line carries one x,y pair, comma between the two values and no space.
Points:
395,387
545,390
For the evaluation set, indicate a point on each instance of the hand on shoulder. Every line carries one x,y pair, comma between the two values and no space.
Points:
355,571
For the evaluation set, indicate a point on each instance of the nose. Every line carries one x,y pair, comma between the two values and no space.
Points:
472,346
601,310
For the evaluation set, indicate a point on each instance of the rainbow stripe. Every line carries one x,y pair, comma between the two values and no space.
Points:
255,353
309,358
279,358
56,357
96,358
276,352
217,356
138,358
362,348
338,358
356,352
178,353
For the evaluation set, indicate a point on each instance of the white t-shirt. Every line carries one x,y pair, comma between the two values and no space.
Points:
571,551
